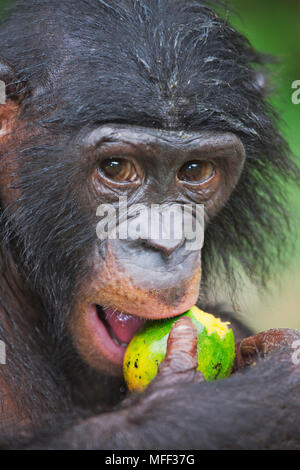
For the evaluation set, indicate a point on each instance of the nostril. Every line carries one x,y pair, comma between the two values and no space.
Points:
166,247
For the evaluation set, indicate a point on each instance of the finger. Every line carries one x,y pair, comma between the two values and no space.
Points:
250,349
181,360
182,352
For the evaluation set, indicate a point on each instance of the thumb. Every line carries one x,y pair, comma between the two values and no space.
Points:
181,360
182,346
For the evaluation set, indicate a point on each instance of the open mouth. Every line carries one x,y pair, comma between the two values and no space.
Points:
112,331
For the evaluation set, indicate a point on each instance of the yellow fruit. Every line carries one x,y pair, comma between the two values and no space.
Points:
148,347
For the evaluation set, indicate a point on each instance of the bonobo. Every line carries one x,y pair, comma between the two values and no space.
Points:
163,102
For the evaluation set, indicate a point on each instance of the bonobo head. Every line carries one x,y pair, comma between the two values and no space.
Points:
155,101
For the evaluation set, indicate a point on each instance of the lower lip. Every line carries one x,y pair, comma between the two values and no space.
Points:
101,338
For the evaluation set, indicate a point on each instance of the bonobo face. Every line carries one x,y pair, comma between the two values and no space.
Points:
131,281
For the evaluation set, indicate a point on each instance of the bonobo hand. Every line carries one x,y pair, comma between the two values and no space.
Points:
258,407
181,361
257,347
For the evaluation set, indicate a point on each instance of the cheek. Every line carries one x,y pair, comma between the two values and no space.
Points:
86,339
9,191
13,132
221,194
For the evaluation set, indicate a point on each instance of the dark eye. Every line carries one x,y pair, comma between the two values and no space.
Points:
118,169
197,171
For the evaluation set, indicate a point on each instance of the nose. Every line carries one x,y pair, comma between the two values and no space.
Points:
160,229
165,246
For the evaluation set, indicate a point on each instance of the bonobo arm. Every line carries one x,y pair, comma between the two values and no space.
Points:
258,407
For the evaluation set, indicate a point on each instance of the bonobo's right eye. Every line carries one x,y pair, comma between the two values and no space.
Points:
119,170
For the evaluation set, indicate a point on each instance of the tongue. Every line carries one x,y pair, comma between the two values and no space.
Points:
123,326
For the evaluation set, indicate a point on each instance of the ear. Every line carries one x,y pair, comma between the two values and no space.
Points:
11,87
260,82
12,92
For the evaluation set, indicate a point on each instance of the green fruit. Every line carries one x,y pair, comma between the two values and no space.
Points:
147,349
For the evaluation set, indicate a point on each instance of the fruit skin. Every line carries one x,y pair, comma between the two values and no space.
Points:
147,349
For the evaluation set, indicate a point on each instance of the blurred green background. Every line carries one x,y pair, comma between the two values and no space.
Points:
273,26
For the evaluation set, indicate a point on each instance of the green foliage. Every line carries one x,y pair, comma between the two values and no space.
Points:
3,4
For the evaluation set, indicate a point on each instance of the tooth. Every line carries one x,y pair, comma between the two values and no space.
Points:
118,343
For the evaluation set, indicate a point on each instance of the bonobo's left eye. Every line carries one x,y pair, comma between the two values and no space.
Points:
197,171
119,170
